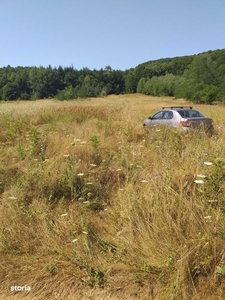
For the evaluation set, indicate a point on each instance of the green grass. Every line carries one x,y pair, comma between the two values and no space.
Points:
94,206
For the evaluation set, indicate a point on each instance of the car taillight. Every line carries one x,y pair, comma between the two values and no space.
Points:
185,123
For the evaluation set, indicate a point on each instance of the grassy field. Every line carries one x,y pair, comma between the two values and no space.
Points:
93,206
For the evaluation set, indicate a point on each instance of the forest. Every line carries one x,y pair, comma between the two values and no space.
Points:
198,78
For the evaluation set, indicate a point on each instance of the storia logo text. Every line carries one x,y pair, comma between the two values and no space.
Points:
19,288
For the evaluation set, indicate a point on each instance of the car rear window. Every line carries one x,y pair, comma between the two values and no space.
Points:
190,113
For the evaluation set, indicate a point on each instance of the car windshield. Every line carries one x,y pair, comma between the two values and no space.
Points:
190,113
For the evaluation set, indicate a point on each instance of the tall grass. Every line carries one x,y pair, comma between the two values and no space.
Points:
94,206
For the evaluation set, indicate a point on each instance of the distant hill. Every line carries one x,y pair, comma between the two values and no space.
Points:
198,78
177,65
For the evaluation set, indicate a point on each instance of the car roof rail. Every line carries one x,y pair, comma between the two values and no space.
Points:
172,107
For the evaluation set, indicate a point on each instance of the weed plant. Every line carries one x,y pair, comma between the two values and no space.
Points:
93,206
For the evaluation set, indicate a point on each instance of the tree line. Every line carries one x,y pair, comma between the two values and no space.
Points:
199,78
30,83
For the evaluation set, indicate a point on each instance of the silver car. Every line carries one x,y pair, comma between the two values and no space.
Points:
184,117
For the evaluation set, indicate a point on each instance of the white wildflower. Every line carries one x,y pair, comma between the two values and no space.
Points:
208,163
12,198
93,165
199,181
64,215
144,180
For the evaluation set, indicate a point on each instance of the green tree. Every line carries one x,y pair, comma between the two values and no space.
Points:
131,82
9,91
222,86
90,87
199,80
210,93
141,85
44,82
68,93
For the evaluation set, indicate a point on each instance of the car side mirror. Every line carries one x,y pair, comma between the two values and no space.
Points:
150,117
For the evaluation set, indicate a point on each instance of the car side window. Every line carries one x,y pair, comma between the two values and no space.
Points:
158,115
195,114
168,115
184,113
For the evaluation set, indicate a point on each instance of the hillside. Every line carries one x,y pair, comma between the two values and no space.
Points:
197,78
93,206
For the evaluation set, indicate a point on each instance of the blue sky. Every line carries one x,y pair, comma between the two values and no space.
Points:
99,33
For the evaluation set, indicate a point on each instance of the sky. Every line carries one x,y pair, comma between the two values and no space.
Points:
98,33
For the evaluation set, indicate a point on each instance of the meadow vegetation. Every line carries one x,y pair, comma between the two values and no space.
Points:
93,206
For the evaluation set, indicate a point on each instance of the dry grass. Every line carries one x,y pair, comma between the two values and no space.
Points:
95,207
